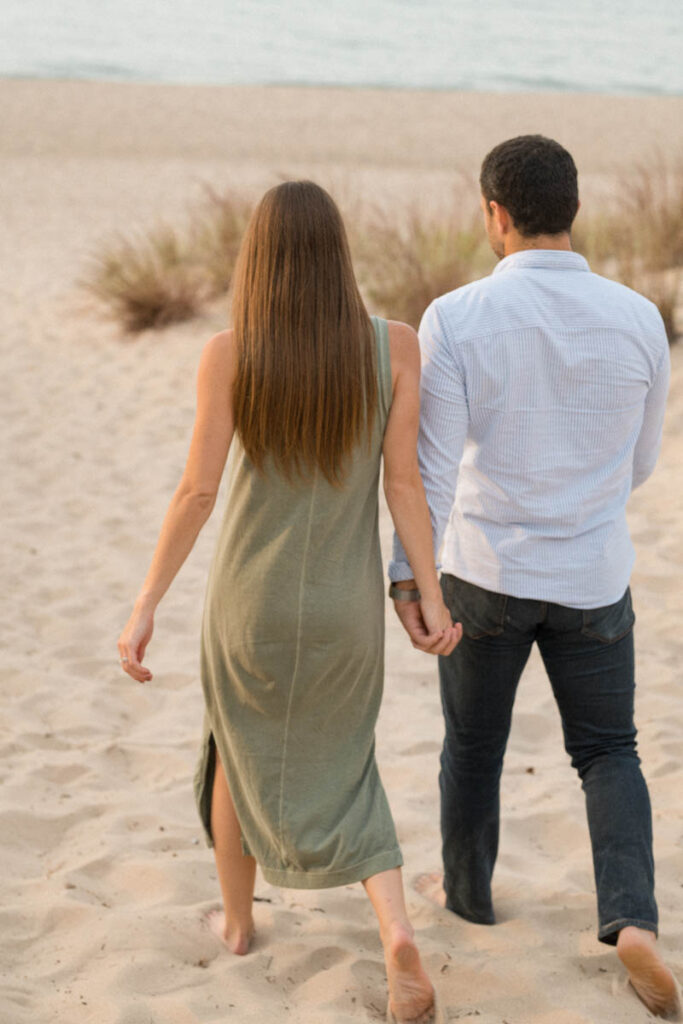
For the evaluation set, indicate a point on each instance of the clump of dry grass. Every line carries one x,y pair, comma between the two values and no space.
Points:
216,232
404,261
169,275
147,282
600,238
405,264
652,195
637,238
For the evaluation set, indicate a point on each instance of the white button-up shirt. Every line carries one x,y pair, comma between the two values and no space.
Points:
543,393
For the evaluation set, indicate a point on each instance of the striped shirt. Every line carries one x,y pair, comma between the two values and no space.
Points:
542,401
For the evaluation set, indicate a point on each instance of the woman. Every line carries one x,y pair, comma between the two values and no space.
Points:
293,628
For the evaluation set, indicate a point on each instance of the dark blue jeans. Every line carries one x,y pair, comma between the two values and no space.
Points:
588,655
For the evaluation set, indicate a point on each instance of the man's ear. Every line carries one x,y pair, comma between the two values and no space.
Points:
501,216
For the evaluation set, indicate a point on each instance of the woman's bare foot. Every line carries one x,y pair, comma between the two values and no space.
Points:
651,978
236,939
431,887
411,995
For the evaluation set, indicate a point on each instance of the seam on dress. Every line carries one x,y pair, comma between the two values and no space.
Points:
296,665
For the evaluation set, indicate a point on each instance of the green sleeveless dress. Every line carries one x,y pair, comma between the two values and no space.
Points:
292,663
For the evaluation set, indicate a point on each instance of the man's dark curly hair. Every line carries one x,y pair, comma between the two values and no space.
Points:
535,179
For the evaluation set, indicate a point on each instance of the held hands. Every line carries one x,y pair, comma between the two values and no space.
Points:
133,642
429,625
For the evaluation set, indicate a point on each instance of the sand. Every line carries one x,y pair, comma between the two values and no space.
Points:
104,877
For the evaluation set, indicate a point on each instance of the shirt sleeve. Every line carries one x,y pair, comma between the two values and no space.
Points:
650,437
443,429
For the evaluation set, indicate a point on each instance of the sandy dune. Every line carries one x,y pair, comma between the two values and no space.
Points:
104,876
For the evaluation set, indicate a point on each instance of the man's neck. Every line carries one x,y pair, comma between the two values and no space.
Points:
519,243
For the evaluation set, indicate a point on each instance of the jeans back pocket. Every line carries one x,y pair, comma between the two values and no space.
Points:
481,612
611,622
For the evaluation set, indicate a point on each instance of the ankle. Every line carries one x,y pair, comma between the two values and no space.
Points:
235,928
632,935
238,937
396,932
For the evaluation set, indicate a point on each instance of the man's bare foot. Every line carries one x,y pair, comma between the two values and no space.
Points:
411,995
431,887
651,978
237,940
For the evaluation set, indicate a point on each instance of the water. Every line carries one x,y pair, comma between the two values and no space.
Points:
627,46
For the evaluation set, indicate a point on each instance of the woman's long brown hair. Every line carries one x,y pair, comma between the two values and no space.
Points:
306,386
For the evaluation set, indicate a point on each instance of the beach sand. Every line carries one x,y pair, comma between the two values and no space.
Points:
104,876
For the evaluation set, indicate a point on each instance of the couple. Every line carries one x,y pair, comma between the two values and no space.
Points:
539,406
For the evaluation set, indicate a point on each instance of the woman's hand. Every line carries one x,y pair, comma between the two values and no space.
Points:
443,635
133,642
429,625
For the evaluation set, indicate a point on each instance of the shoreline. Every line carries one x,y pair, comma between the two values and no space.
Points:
546,90
338,126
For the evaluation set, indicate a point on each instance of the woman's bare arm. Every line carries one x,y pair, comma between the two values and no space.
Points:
404,490
194,498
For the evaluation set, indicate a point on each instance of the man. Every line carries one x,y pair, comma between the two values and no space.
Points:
543,393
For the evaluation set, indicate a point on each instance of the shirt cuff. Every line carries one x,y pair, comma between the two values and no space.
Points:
399,571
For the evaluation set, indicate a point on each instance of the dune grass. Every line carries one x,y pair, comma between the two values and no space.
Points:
637,236
404,263
404,258
653,208
216,231
146,281
169,274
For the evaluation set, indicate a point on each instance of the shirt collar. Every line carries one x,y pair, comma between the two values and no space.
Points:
543,259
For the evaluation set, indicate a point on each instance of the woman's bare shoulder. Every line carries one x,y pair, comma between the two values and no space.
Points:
404,347
221,344
219,352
